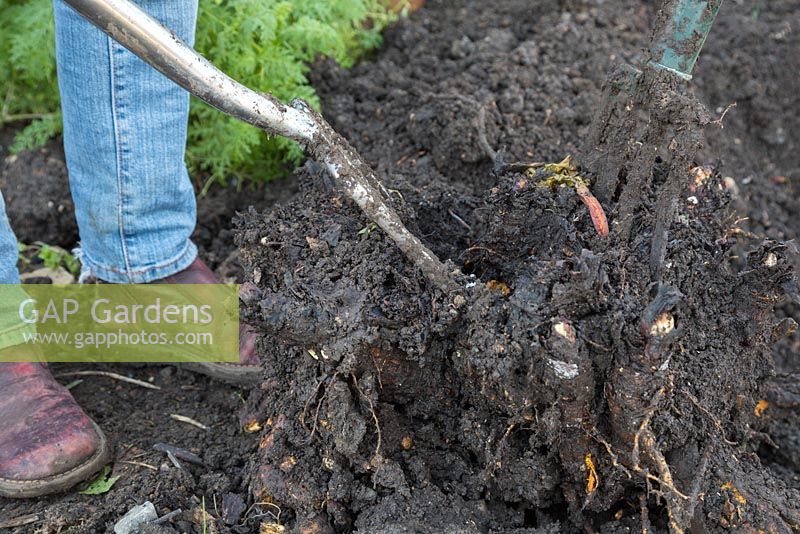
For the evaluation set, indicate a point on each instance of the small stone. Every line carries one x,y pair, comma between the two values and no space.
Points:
564,370
59,275
136,516
565,330
232,508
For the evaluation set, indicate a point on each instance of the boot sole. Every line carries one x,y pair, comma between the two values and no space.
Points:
21,489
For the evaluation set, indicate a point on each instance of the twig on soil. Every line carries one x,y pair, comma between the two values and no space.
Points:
180,453
140,464
115,376
174,460
718,122
482,139
376,455
188,420
459,220
166,517
20,521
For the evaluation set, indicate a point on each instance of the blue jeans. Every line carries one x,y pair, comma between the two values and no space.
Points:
124,139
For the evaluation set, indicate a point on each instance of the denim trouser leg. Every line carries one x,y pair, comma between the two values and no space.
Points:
9,251
11,329
124,138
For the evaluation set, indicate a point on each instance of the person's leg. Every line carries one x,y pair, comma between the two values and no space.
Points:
8,249
124,138
11,329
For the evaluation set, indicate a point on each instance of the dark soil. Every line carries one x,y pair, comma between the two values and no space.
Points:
390,407
215,209
36,191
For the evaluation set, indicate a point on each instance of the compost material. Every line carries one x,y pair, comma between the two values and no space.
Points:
566,386
575,382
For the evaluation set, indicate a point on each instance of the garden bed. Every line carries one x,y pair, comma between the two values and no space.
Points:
389,406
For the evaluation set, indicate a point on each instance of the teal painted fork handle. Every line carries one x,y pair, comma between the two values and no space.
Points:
682,37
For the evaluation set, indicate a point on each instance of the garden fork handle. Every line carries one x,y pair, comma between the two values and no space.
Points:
682,34
137,31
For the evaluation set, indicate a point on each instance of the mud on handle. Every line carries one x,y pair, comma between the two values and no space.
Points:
137,31
682,35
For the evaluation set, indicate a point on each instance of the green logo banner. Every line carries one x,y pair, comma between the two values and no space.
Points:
165,323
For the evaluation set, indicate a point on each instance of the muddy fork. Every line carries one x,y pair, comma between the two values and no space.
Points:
619,140
137,31
680,33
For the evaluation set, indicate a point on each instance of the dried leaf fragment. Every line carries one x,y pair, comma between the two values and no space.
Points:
595,209
500,287
761,407
592,480
252,427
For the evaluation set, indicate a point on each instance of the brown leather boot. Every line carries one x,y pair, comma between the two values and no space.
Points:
47,443
248,370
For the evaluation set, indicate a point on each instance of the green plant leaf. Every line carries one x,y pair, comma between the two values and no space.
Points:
36,134
102,484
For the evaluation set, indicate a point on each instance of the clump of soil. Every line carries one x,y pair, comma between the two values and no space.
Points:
758,146
213,234
569,385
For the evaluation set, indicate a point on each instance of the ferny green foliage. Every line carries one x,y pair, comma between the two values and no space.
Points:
265,44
